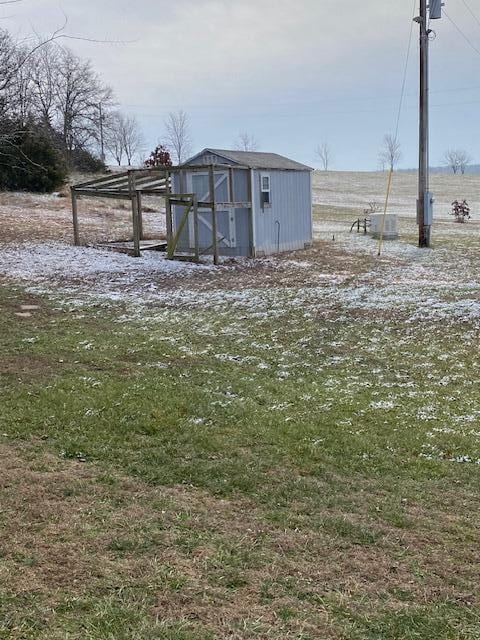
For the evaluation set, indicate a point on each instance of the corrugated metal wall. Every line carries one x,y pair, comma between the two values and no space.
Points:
287,224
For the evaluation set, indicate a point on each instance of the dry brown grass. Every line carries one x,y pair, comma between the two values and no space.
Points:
25,365
217,563
38,218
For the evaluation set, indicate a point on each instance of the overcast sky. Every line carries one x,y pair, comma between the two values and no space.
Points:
293,72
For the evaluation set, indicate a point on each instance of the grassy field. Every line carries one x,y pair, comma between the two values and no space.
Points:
279,448
355,190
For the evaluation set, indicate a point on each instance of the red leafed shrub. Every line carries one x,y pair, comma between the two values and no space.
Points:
159,158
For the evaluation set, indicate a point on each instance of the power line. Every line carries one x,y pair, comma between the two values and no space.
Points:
283,115
334,102
471,12
465,37
407,59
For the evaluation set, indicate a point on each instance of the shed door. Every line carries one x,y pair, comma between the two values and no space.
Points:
199,185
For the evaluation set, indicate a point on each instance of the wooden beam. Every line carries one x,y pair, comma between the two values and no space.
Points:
140,214
150,171
211,180
135,221
196,234
136,228
251,216
153,192
115,195
140,175
142,179
124,174
168,215
76,234
173,244
106,183
119,194
231,181
181,198
225,205
151,185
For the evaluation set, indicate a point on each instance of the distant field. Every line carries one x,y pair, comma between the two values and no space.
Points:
354,190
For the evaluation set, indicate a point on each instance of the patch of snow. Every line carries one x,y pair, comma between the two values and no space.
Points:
385,405
36,262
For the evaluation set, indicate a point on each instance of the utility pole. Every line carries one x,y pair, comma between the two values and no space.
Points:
425,199
102,142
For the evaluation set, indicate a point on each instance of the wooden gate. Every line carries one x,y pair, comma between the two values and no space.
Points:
198,184
189,203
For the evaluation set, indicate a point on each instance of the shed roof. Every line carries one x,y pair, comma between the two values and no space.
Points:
256,159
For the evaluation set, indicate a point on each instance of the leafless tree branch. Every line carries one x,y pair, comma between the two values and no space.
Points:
246,142
390,152
457,160
324,154
177,135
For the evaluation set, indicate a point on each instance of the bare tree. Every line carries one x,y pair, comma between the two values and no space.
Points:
177,135
19,98
114,136
10,64
132,137
79,92
450,159
123,137
457,160
246,142
464,159
324,154
46,82
390,153
8,54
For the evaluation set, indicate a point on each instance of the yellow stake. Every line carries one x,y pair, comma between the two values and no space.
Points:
380,240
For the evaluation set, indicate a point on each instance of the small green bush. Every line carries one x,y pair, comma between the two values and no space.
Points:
83,161
29,160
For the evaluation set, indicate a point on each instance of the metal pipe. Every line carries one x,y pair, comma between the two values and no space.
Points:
277,222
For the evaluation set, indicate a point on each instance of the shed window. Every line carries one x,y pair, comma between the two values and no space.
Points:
265,195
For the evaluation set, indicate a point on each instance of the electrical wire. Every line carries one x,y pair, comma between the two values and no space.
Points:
467,6
464,36
405,71
397,126
328,103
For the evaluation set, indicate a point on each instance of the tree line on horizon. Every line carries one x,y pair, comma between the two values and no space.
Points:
390,154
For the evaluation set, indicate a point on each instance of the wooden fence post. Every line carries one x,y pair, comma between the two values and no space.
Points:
76,235
195,228
168,213
140,214
251,220
211,175
133,200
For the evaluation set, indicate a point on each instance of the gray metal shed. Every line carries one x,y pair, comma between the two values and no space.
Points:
263,203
